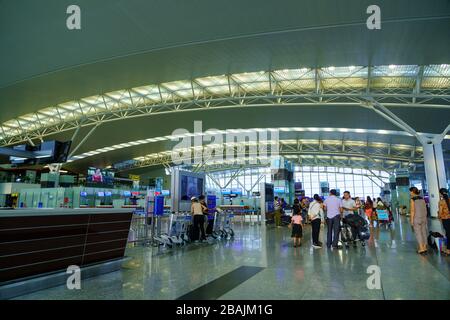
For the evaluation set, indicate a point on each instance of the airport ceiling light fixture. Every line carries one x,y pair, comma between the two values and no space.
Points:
323,161
381,175
301,150
291,129
399,85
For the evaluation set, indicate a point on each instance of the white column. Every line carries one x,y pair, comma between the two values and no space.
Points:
434,172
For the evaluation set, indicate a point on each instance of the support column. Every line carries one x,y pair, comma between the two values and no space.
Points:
432,150
434,172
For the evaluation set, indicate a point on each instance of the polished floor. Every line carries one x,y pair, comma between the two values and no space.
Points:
260,263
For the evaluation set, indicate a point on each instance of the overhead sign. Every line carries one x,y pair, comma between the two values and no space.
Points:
134,177
279,189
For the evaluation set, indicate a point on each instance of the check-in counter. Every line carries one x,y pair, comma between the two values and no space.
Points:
41,241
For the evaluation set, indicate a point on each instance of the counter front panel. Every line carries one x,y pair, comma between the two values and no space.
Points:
33,245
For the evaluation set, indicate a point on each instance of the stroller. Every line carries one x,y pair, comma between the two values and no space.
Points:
354,223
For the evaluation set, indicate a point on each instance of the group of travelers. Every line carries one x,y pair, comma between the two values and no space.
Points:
333,209
419,221
317,212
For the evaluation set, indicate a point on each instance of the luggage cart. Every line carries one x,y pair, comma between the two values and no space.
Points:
223,224
217,232
177,229
227,226
162,229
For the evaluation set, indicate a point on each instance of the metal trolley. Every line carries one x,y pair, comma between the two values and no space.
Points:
223,224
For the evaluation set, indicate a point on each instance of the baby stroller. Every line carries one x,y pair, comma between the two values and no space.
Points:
354,223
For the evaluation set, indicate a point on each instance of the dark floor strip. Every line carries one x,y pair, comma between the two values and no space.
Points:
217,288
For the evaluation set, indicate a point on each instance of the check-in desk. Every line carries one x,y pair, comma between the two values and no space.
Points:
39,242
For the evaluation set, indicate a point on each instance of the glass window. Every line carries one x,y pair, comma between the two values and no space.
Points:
307,177
315,189
307,187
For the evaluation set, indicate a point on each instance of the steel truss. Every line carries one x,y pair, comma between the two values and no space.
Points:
393,86
337,153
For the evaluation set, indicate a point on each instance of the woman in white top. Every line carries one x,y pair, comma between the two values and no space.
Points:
199,219
315,214
358,205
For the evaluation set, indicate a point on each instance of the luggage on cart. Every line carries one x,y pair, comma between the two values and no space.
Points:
435,240
345,233
384,218
355,220
364,233
286,220
359,224
190,232
210,225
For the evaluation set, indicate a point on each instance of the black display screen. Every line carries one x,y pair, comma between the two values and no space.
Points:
402,181
100,177
191,187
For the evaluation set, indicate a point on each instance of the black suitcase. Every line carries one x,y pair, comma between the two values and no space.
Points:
364,233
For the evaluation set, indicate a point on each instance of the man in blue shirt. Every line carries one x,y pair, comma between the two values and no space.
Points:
333,207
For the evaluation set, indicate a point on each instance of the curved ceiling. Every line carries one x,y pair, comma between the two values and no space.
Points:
124,44
405,86
52,78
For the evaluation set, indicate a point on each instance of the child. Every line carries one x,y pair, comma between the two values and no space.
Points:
297,228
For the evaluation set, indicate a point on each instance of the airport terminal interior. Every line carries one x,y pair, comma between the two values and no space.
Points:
224,150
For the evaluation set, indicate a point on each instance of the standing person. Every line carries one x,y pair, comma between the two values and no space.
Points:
296,208
198,219
315,214
444,214
358,205
333,207
368,210
209,223
283,205
305,206
277,210
297,228
348,204
349,207
418,219
380,204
